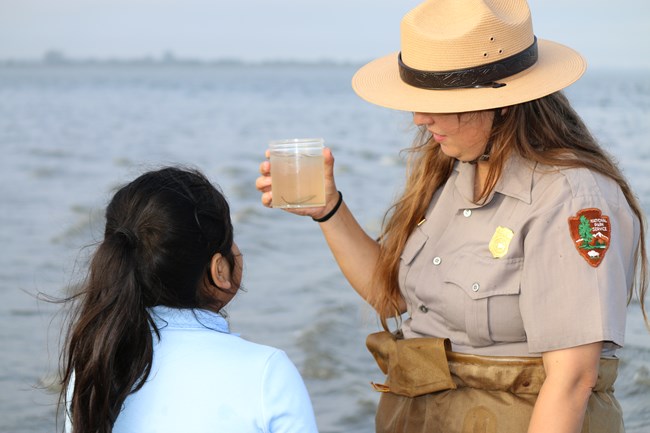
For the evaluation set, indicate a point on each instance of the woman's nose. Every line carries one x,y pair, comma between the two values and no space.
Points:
421,119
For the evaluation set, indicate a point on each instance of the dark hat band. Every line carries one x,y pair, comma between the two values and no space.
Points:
480,76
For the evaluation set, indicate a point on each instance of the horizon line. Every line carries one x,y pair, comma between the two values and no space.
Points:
57,57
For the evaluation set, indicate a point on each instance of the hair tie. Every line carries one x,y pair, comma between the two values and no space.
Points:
129,235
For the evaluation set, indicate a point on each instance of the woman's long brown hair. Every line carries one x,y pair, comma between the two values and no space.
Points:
161,232
547,131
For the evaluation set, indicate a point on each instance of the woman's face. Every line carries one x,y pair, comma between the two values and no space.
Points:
463,136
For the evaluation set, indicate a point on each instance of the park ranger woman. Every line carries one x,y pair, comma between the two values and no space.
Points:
510,257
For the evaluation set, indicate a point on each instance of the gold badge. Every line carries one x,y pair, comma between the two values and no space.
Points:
500,242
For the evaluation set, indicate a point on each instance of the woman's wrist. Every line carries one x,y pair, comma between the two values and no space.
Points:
331,213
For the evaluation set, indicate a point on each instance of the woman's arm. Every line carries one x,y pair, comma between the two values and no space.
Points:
355,252
571,375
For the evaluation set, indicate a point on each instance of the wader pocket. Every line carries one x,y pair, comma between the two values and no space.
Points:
414,366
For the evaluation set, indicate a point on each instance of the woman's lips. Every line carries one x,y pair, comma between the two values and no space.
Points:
439,138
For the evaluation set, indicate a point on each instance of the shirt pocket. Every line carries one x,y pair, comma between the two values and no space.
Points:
489,289
412,248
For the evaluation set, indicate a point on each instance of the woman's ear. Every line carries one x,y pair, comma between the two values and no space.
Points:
220,271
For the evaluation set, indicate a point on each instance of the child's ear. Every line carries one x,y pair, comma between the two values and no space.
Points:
220,271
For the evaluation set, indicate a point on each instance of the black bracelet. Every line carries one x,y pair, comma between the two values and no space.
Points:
332,212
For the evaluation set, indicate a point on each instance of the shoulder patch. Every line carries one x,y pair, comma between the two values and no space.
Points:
591,234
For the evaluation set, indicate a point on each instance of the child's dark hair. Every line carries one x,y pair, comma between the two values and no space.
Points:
162,230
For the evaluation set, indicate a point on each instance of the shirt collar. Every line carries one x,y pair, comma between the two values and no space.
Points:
186,318
516,180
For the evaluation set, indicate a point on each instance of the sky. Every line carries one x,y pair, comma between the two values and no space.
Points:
609,34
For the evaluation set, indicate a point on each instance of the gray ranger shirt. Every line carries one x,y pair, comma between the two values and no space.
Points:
544,264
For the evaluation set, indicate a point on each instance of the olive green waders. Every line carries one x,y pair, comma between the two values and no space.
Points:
431,389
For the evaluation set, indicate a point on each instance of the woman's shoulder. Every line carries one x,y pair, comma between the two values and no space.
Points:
561,184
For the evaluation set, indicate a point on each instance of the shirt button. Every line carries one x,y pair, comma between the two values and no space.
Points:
467,213
424,308
476,287
437,261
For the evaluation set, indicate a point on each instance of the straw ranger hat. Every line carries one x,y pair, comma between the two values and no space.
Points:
467,55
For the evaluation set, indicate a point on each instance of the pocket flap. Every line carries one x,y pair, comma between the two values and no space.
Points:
482,277
413,245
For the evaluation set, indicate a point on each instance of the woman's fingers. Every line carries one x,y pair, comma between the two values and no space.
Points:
330,185
263,183
267,199
265,168
328,158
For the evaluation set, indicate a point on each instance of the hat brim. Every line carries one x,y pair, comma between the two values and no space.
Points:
557,67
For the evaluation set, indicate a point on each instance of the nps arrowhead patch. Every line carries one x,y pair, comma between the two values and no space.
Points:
591,234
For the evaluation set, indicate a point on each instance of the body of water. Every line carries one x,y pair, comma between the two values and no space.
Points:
70,134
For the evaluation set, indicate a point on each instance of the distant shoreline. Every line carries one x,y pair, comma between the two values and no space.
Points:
154,63
56,58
